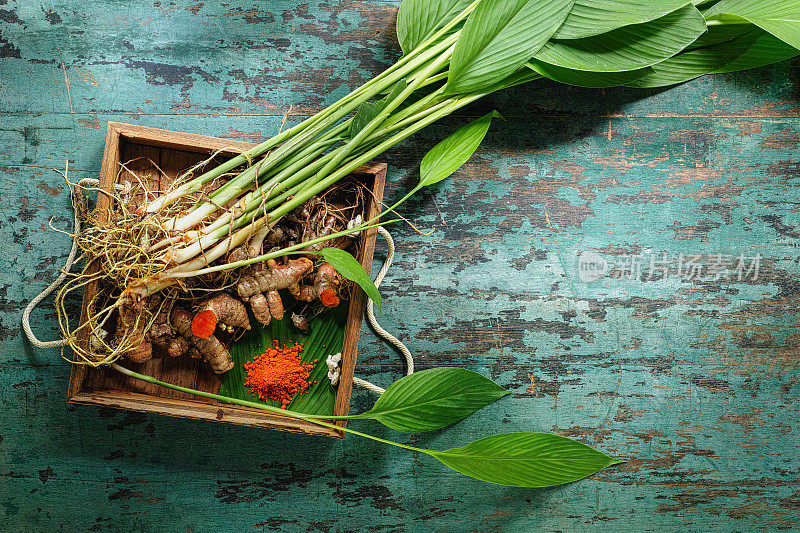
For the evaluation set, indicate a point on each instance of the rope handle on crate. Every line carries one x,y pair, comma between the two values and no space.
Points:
124,188
333,361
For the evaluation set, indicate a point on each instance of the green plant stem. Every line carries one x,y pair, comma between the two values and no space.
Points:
279,179
323,120
314,419
267,170
250,211
236,161
434,67
293,177
266,191
299,161
294,184
304,168
190,261
282,185
320,185
278,253
349,102
456,103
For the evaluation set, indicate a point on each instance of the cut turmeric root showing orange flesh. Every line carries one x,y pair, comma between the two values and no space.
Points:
223,311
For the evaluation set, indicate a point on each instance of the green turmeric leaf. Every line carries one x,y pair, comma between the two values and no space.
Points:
764,49
525,459
593,17
347,265
584,78
432,399
781,18
718,34
448,156
628,48
499,37
419,19
753,49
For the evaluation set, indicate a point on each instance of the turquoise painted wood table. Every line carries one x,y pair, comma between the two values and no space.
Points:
624,261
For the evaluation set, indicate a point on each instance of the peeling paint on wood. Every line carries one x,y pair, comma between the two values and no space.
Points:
695,383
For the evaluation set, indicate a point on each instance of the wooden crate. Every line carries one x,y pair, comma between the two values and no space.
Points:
174,152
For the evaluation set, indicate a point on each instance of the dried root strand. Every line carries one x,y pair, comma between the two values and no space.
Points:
130,322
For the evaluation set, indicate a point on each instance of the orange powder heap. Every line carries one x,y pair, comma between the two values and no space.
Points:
278,374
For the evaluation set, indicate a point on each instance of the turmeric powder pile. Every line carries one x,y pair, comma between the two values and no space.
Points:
278,373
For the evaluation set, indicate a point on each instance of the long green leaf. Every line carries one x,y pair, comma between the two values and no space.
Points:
720,33
593,17
432,399
584,78
765,49
369,110
629,48
516,459
347,265
520,77
499,37
781,18
753,49
525,459
419,19
448,156
693,62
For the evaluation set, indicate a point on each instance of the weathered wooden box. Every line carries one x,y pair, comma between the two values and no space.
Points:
174,152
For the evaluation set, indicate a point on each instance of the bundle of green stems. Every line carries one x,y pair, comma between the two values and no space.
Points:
290,168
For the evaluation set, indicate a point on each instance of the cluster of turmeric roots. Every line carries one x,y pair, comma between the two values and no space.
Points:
180,329
169,326
178,326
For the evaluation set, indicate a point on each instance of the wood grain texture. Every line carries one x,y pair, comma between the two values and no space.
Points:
695,383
